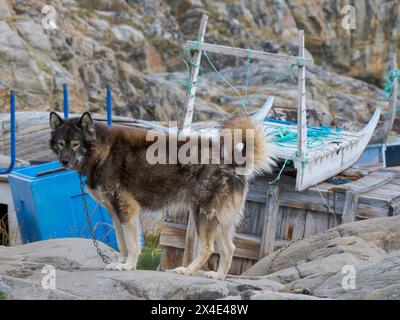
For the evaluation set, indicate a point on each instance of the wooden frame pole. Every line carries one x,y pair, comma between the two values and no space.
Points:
194,71
301,109
388,124
248,53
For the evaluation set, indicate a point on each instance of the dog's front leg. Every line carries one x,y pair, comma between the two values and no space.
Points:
131,233
127,213
123,250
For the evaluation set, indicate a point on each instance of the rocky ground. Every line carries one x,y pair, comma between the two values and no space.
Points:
307,269
137,45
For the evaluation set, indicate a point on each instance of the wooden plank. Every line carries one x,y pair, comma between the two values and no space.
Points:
395,208
250,221
370,182
388,124
171,258
270,211
299,224
236,266
315,223
287,225
350,206
312,200
301,114
246,247
191,92
246,264
252,54
367,211
279,220
294,224
174,235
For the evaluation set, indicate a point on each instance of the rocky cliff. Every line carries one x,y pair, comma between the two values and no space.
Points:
137,46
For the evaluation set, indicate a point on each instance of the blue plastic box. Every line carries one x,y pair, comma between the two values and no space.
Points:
373,156
50,206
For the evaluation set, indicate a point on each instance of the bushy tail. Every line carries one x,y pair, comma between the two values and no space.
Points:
255,146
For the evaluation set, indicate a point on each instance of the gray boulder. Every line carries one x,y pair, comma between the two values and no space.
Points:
318,264
80,274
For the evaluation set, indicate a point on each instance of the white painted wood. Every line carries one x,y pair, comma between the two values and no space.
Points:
252,54
262,113
6,198
301,112
324,165
388,124
191,92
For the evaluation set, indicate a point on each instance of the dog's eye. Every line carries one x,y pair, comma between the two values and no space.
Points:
61,144
75,145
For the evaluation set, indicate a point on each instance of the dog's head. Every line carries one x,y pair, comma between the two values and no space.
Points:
71,139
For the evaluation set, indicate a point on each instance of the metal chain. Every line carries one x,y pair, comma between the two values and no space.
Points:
106,259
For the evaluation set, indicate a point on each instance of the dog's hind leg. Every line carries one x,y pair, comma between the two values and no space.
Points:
229,213
226,248
206,230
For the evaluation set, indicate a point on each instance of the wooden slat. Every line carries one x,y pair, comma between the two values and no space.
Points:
312,200
370,182
301,113
279,223
371,210
195,67
388,124
315,222
171,258
350,206
174,235
287,225
299,224
270,212
395,208
252,54
246,247
249,223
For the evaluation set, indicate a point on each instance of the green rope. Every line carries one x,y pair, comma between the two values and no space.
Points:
225,80
186,82
392,76
316,136
278,177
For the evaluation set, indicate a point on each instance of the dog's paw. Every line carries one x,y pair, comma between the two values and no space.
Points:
180,270
120,267
214,275
111,266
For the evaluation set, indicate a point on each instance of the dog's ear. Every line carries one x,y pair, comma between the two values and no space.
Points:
87,124
55,121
